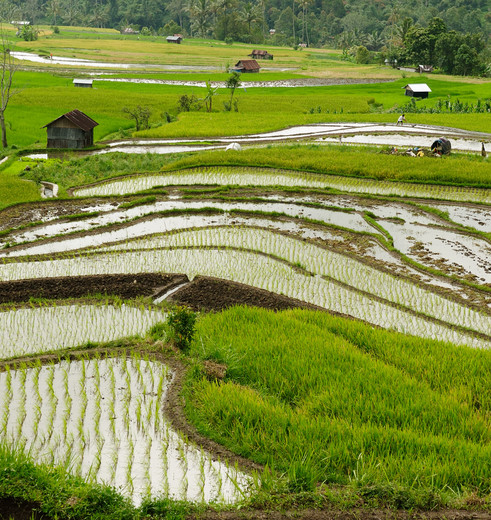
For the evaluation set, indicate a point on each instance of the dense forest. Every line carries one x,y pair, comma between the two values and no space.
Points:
444,33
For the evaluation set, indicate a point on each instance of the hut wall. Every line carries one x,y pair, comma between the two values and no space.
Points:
416,94
62,136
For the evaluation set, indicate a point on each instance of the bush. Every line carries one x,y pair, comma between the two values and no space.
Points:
28,33
362,55
182,322
187,103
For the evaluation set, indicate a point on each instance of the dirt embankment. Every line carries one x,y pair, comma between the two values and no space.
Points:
201,294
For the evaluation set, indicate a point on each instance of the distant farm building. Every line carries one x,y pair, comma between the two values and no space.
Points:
247,66
85,83
20,23
419,90
128,30
177,38
261,55
71,130
424,68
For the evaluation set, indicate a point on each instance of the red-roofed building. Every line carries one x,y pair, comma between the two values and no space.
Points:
247,66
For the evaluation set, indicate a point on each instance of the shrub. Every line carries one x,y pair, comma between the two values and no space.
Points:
181,321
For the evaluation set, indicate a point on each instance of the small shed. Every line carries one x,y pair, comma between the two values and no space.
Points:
84,83
247,66
424,69
128,30
260,55
71,130
177,38
419,90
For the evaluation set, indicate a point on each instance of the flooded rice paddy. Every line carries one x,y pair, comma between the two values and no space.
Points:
417,262
392,263
103,418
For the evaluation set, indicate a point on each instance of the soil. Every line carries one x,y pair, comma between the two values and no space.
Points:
202,294
212,294
125,286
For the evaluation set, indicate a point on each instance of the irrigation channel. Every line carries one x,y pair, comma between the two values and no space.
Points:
408,257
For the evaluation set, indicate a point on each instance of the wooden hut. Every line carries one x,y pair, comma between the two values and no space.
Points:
419,90
177,38
247,66
71,130
260,55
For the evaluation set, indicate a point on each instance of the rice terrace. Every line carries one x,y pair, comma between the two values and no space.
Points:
227,295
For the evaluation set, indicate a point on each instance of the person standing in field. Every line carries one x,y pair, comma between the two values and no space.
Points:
401,120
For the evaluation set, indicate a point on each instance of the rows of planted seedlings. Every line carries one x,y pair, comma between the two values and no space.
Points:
320,261
103,419
338,210
252,269
348,220
34,330
266,177
420,235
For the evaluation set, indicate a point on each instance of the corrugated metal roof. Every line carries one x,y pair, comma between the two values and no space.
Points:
83,121
418,87
248,64
83,81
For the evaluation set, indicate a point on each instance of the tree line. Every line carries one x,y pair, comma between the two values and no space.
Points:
408,32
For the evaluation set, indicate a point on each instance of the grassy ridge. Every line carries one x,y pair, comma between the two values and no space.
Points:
324,399
351,161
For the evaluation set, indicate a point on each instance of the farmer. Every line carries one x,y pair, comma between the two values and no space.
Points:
401,120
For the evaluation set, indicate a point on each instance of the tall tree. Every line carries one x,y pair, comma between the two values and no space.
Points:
251,13
304,5
53,10
177,9
200,15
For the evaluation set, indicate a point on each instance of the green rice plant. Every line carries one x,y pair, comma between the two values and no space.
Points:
407,402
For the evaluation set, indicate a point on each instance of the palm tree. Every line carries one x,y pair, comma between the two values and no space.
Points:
233,82
304,4
53,9
251,13
199,11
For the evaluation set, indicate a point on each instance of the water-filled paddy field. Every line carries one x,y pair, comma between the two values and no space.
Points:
411,258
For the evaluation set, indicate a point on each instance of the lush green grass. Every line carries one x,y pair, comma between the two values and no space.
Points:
46,96
77,171
13,189
326,399
54,493
350,161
